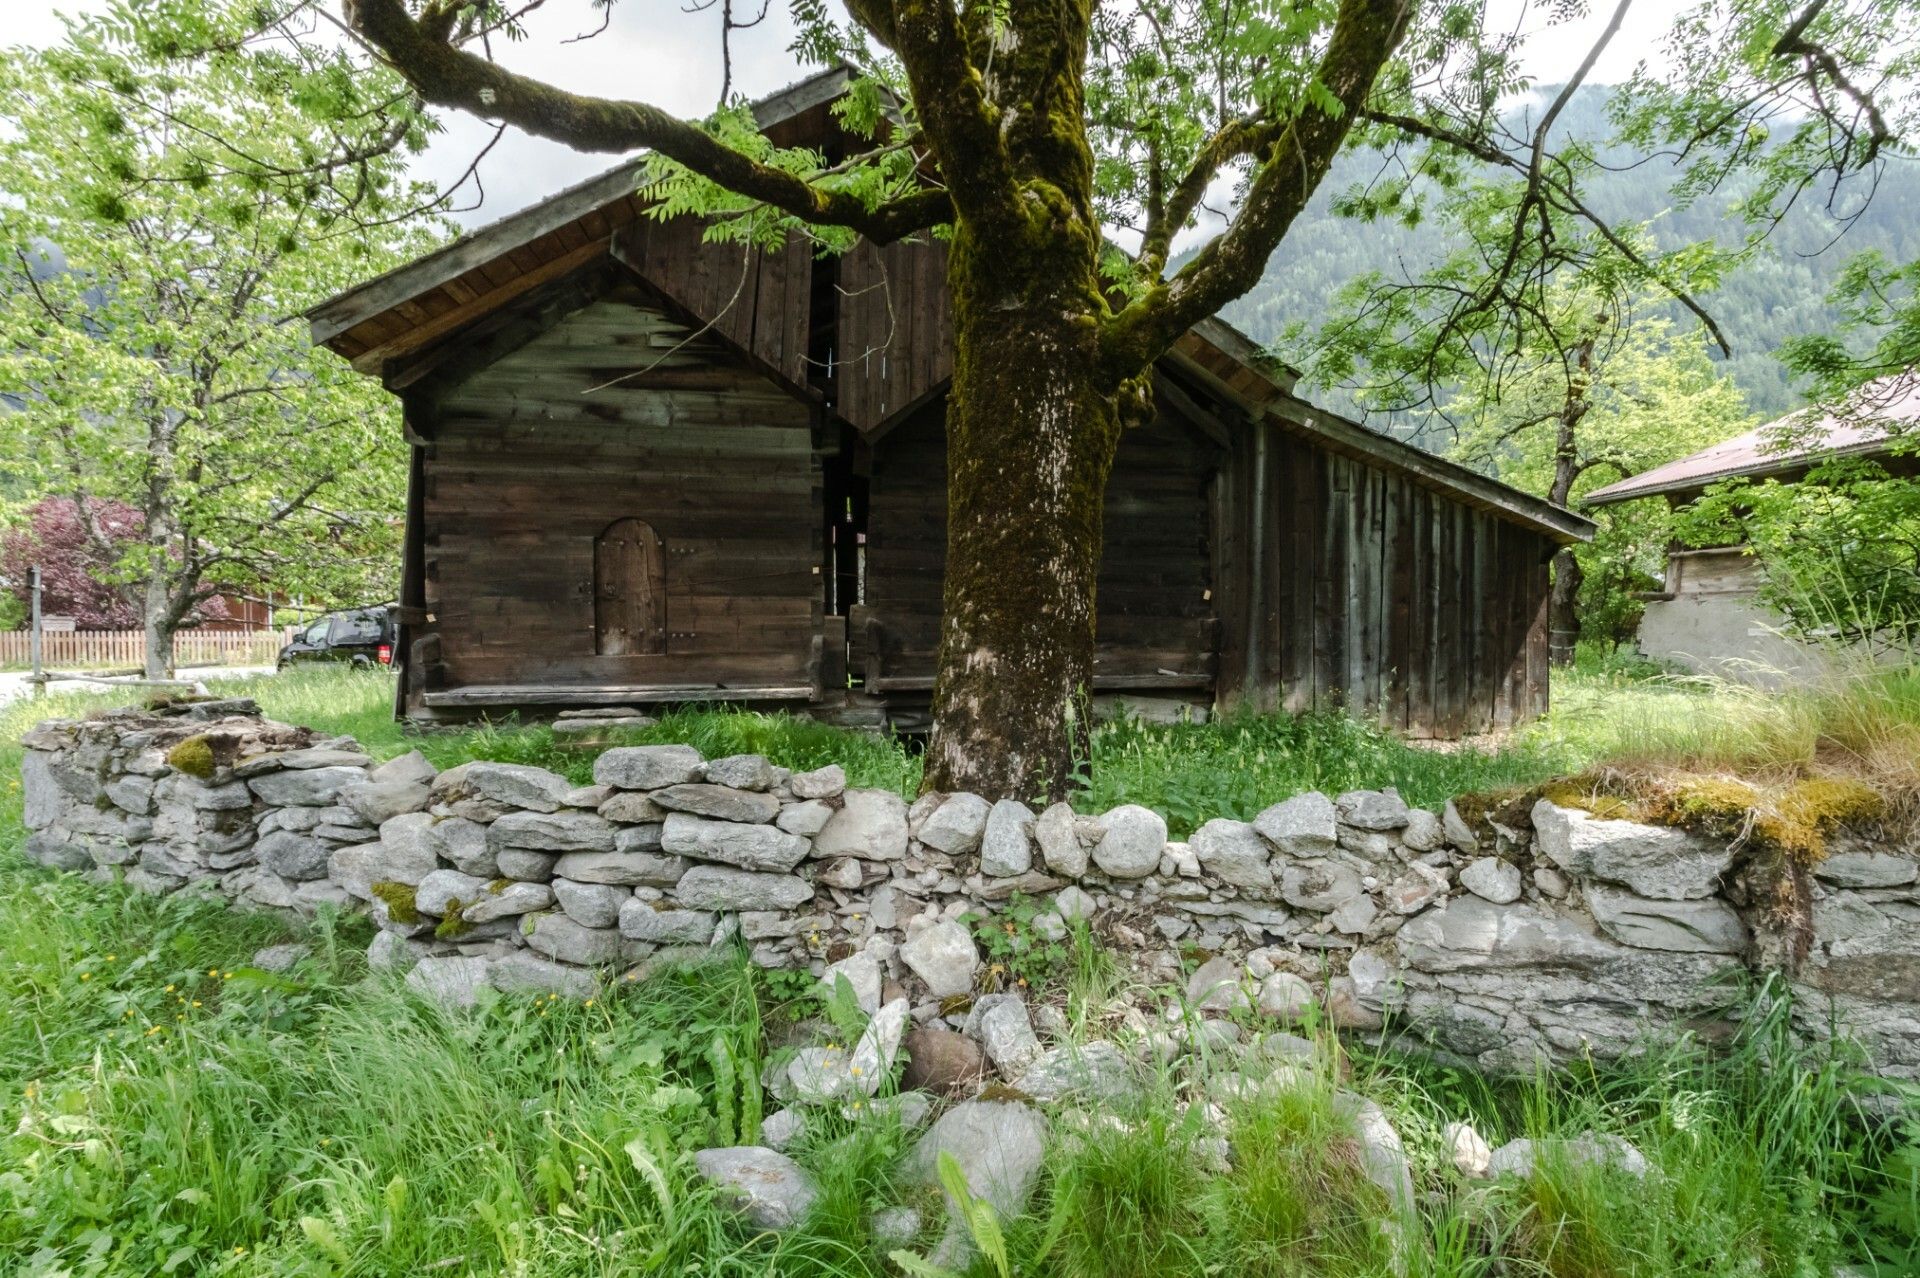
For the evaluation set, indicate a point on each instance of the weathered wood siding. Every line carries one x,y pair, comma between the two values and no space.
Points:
533,458
1156,617
1374,593
893,330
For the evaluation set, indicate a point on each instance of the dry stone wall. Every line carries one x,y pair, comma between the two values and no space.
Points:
1496,945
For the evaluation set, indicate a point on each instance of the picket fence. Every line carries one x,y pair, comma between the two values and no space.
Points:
127,649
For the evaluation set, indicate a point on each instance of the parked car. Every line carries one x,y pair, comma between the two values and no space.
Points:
358,636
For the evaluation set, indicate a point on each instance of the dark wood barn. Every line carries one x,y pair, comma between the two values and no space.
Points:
650,469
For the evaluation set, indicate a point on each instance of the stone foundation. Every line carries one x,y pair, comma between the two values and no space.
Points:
1496,945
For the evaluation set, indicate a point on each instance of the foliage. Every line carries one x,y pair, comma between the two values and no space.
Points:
1838,551
160,236
78,575
1652,395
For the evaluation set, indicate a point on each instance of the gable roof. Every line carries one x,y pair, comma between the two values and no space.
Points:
1786,447
410,308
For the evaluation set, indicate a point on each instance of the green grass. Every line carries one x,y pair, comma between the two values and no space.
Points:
166,1109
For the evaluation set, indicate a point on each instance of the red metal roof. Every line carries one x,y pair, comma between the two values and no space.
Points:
1864,427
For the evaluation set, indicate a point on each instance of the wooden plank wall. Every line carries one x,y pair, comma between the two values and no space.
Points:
755,299
1156,623
1376,594
893,334
527,465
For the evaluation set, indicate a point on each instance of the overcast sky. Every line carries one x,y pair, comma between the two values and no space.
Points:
657,52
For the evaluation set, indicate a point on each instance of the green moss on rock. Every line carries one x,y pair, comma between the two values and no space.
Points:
399,900
194,756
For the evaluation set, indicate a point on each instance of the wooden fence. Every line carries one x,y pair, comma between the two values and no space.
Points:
126,649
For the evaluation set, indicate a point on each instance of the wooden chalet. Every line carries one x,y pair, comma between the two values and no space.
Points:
650,469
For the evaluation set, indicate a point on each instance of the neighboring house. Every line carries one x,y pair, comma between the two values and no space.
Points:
650,469
1709,617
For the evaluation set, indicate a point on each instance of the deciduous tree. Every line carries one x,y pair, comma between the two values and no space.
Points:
161,225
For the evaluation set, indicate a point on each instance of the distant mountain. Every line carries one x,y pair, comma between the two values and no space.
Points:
1775,298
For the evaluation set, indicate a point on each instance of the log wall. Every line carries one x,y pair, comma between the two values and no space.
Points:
527,464
1374,593
1156,615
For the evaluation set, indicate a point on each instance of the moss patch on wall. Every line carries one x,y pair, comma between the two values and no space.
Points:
194,756
399,900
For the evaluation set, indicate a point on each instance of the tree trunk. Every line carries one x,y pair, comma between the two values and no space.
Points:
1030,442
157,619
1563,608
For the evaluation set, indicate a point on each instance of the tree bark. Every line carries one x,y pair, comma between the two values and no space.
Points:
1031,438
157,619
1563,601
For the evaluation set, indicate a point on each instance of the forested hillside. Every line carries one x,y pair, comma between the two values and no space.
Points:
1780,294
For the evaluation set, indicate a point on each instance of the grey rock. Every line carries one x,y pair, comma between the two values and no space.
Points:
409,768
1132,841
741,772
129,792
1382,1156
765,1186
506,901
314,787
1007,1034
648,767
1468,1150
642,921
1702,927
588,796
1074,902
1285,997
632,807
638,838
1653,860
1493,879
625,869
1424,832
718,887
525,864
1234,852
944,957
511,785
391,952
844,874
805,819
1860,868
322,756
863,975
821,783
359,867
439,891
998,1145
780,1128
524,973
723,803
1373,809
895,1226
560,938
1307,825
1522,1157
1415,890
590,904
1319,886
1458,832
281,958
1217,985
1006,843
747,847
871,825
821,1074
567,830
956,826
298,857
377,801
1091,1071
1056,831
452,982
464,843
1354,915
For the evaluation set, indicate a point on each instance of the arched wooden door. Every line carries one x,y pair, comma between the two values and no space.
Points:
629,590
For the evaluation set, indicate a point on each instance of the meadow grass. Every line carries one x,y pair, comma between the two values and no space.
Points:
169,1109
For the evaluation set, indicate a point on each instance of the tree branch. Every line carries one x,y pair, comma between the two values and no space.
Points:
1365,34
449,76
